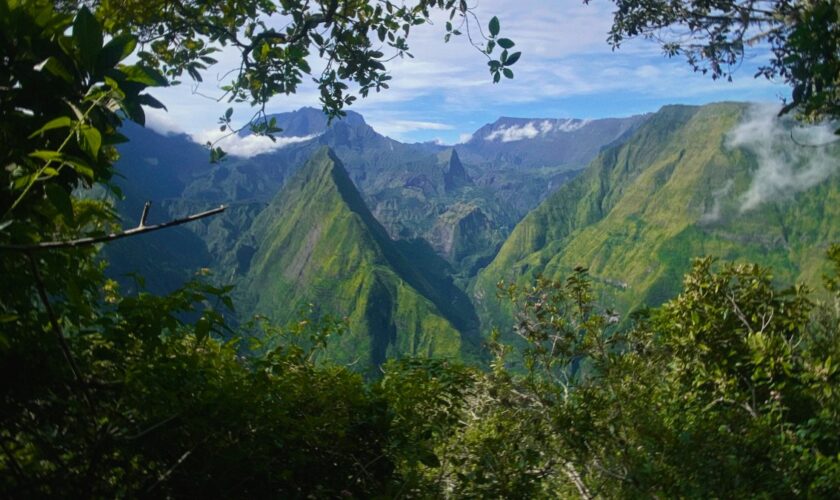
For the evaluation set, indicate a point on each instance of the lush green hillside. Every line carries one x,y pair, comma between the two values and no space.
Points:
317,243
463,209
675,190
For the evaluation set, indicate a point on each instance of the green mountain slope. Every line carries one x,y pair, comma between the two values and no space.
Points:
675,190
318,243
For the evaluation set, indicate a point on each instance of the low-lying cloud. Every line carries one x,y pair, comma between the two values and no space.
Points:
717,196
249,145
535,128
514,133
790,158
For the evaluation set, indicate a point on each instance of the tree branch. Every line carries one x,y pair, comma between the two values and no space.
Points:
140,229
59,333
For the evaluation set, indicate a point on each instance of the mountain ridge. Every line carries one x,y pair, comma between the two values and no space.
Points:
643,209
317,242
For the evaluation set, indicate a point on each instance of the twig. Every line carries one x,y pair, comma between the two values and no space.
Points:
574,476
20,477
140,229
62,341
168,473
153,427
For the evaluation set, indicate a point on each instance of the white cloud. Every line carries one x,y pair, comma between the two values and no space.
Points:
162,122
463,138
564,58
571,125
248,146
717,195
785,166
397,129
514,133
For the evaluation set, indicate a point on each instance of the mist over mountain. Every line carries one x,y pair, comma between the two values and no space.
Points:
545,142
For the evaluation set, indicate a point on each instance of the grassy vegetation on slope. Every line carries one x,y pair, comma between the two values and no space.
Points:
643,210
318,243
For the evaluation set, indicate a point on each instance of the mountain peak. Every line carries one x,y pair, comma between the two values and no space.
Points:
309,121
318,243
454,175
324,171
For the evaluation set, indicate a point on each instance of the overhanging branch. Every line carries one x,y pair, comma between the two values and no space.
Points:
140,229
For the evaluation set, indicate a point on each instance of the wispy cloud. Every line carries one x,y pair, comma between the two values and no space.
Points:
398,129
566,70
533,129
790,159
717,196
462,138
162,122
247,146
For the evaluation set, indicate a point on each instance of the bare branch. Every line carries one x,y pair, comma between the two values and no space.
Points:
140,229
59,333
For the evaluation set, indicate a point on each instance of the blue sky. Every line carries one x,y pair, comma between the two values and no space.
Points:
567,70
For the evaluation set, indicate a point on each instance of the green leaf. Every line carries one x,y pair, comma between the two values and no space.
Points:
117,138
494,26
147,100
79,166
60,199
202,328
505,43
55,68
143,74
511,60
87,36
45,155
23,181
117,49
91,141
508,73
60,122
7,318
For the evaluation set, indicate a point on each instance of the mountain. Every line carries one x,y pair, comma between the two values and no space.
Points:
532,143
318,243
680,187
307,121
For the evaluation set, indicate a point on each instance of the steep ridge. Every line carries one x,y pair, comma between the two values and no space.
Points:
643,209
318,243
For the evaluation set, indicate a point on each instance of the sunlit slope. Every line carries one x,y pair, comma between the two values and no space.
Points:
674,191
318,243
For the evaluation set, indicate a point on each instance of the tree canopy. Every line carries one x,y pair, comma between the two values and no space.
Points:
801,38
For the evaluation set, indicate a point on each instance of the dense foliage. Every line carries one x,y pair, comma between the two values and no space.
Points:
803,39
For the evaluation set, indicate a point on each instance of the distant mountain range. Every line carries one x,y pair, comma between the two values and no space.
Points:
409,240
